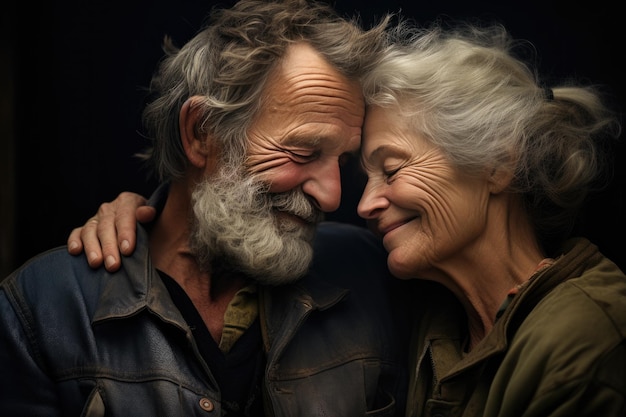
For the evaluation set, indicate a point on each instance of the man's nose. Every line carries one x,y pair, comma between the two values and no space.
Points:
324,186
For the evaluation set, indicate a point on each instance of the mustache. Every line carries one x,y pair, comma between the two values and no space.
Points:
297,203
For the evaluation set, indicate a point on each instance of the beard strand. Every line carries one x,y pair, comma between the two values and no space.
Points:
236,229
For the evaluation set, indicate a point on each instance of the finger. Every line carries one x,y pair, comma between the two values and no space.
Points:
127,206
111,231
90,243
145,214
74,244
106,237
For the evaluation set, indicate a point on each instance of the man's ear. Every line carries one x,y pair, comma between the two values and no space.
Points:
199,145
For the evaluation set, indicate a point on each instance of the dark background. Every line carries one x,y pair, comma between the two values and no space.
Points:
72,84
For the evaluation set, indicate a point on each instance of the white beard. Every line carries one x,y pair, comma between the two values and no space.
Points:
236,229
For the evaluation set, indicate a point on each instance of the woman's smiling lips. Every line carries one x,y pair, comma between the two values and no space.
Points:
388,228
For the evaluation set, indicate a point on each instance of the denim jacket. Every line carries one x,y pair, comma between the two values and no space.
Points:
81,342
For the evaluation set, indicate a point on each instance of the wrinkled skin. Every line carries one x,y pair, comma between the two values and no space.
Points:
311,123
425,210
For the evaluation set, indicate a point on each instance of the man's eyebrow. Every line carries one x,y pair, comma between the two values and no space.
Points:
302,140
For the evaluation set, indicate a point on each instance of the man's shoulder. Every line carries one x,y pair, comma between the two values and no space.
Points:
57,257
52,275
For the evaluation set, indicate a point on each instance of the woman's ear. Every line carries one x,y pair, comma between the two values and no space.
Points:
198,145
499,179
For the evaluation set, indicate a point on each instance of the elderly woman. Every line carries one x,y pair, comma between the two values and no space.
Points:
475,175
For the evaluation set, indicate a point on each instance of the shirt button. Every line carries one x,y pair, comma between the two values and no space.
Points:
206,404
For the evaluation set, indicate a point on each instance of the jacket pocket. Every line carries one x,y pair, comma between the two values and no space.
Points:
386,406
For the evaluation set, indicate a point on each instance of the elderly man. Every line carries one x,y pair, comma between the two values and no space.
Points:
234,303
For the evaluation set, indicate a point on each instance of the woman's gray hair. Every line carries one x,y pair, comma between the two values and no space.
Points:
464,89
229,62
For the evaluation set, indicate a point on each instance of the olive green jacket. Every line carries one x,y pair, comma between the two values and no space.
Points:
559,348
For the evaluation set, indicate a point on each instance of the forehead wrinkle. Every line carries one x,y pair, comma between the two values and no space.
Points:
326,88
